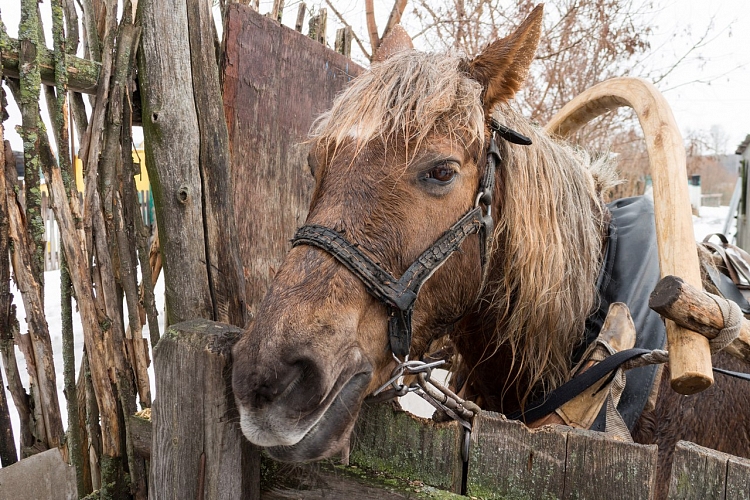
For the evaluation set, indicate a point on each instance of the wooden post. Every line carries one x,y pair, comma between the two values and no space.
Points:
689,354
194,418
225,276
300,17
344,41
317,26
172,147
277,12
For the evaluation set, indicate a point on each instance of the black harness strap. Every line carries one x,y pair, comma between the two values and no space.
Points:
580,383
575,386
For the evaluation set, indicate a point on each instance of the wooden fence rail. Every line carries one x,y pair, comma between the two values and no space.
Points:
197,447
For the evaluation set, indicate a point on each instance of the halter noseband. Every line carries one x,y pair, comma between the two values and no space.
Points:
399,295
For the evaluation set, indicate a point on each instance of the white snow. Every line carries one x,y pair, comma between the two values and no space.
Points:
711,220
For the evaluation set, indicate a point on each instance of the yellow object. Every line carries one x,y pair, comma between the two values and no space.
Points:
141,180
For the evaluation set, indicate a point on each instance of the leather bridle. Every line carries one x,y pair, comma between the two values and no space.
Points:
399,295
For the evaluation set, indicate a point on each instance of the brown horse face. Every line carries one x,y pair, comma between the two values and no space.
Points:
319,344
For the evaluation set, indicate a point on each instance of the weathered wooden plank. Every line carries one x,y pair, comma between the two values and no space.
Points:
41,476
628,470
323,481
738,479
276,81
508,460
172,148
698,473
391,440
196,435
224,266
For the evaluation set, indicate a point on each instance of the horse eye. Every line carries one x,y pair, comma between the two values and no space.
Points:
442,173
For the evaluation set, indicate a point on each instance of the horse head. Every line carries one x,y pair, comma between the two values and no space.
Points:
398,160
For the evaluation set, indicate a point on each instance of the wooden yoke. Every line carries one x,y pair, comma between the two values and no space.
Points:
689,354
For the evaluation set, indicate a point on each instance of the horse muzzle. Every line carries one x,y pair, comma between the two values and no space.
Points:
295,409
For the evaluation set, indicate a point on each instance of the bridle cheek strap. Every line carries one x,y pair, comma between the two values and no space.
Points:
399,295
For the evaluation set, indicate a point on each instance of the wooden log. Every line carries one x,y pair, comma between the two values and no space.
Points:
693,309
388,439
689,353
83,74
194,416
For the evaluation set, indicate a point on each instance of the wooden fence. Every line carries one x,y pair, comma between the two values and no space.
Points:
52,231
197,444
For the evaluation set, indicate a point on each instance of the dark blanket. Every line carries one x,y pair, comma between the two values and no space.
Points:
629,274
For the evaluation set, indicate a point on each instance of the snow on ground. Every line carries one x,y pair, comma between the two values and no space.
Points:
711,220
53,312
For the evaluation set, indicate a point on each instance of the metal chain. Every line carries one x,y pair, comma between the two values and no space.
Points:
435,393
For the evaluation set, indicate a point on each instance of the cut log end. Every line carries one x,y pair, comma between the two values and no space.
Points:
666,293
691,383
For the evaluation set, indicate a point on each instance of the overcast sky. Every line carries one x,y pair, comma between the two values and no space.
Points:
710,88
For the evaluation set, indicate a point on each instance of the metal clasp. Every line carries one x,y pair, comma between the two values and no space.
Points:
410,367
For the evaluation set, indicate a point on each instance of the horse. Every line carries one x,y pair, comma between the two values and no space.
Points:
406,157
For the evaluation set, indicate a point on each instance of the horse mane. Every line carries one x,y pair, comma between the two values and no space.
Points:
551,222
409,95
549,236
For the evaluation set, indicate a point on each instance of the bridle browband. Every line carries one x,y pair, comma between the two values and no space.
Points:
399,295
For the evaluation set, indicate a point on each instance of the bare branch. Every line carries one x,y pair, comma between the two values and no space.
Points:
372,27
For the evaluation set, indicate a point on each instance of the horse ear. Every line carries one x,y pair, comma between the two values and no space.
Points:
397,40
502,67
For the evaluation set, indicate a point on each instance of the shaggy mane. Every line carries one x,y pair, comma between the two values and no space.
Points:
551,220
549,236
410,95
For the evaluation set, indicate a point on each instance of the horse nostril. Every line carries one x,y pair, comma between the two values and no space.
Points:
267,387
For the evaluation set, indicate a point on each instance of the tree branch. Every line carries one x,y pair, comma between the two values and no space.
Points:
372,27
